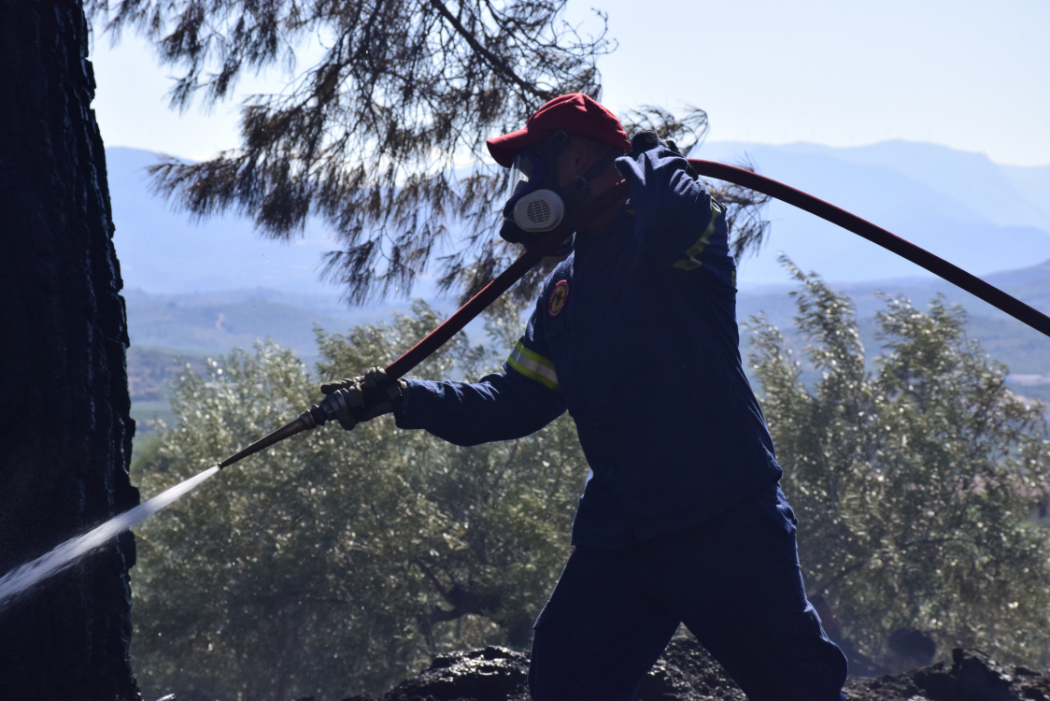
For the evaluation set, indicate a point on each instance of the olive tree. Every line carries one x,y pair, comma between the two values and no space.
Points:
337,562
915,481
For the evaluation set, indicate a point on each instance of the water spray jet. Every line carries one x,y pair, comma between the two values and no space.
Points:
22,579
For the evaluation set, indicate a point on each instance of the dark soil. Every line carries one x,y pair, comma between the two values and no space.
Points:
687,673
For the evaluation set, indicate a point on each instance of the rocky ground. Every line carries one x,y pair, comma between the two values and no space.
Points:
687,673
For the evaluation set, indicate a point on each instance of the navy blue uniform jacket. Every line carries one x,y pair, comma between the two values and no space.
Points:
635,335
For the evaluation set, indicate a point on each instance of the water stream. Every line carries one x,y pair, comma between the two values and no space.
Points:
21,579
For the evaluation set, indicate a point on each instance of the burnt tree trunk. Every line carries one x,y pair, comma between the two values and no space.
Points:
65,431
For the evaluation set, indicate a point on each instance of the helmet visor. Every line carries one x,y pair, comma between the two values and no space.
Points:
526,173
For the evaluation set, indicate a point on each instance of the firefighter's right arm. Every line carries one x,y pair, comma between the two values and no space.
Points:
681,226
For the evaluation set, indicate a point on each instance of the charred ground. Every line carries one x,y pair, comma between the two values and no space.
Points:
686,672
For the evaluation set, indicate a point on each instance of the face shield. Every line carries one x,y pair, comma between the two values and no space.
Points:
525,174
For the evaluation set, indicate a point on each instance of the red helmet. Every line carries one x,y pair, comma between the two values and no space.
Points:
574,113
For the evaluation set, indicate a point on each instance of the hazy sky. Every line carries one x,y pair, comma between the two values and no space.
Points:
971,75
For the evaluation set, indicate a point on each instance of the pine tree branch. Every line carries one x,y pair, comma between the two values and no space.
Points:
492,59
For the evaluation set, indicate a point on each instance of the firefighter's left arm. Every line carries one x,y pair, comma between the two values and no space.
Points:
521,400
498,407
681,225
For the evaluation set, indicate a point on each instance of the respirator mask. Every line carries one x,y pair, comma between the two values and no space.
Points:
536,203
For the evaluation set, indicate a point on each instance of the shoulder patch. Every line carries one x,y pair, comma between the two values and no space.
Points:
559,297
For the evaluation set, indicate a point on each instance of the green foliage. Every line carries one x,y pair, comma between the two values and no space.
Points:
914,484
337,562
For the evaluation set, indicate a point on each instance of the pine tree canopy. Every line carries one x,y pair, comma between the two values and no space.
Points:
383,136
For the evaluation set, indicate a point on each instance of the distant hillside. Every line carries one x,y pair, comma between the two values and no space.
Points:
215,322
151,373
1032,182
162,250
1025,351
169,330
975,213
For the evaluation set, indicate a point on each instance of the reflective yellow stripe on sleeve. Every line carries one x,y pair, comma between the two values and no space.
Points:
533,366
692,259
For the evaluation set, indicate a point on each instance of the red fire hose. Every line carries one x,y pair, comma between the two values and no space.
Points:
921,257
745,178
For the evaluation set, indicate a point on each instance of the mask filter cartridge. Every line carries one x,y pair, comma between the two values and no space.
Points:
541,210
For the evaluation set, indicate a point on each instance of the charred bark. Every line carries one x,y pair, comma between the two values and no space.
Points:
65,429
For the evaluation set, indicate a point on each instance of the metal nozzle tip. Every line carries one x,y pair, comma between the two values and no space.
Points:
303,423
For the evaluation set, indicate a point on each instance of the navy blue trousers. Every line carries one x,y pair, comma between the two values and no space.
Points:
733,580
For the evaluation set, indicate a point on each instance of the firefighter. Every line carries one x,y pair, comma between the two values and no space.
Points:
681,520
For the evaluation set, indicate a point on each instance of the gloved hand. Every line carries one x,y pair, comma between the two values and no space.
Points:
354,400
664,192
649,139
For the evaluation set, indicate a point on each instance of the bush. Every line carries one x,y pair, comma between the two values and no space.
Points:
914,484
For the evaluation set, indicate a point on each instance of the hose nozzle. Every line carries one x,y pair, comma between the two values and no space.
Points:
338,406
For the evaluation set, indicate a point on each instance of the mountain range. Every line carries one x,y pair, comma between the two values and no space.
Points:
980,215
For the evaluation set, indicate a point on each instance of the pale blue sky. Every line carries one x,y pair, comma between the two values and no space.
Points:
971,75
